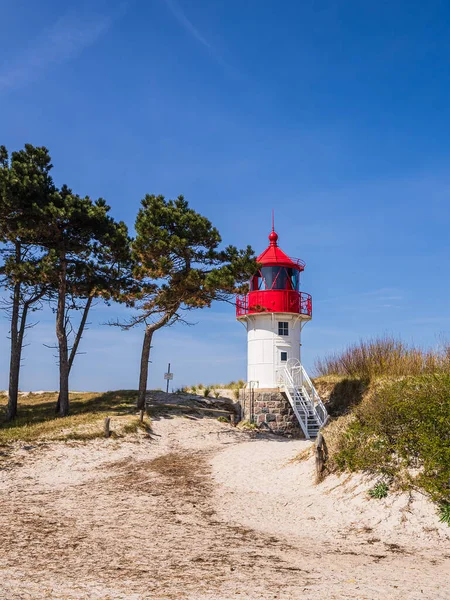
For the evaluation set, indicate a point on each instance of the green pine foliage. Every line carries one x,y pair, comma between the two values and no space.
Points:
179,265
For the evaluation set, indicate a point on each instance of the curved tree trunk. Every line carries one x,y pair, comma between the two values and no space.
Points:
61,334
17,360
143,374
76,343
18,326
14,364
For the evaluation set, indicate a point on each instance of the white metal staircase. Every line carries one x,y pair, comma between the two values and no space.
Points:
303,397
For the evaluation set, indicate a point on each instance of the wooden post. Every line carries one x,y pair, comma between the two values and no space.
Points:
168,371
141,416
106,427
321,456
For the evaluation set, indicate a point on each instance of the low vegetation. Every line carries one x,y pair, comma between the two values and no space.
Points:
385,356
379,490
445,513
38,421
402,429
223,419
390,409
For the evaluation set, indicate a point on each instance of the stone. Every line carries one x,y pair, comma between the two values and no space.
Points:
270,409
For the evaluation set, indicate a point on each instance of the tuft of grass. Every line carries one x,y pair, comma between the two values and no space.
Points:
444,513
379,491
206,392
384,356
223,419
247,425
37,419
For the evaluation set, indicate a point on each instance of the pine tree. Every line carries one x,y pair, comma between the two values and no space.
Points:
179,266
88,258
25,188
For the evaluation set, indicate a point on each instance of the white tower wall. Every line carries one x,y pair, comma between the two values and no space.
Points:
267,349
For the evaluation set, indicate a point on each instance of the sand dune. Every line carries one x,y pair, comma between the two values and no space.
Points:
202,511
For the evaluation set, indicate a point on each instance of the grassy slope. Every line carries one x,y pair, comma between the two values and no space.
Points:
37,419
398,428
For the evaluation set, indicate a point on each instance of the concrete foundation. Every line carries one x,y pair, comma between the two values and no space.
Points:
269,409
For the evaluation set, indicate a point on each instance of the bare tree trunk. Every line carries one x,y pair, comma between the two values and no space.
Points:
143,375
14,365
61,334
76,343
18,326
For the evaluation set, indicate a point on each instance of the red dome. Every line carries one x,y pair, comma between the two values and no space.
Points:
273,255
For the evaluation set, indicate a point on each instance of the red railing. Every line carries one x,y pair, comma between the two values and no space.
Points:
288,301
299,262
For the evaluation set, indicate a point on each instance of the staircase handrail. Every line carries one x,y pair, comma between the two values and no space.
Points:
315,398
293,395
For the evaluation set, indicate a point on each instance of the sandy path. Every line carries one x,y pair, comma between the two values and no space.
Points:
200,512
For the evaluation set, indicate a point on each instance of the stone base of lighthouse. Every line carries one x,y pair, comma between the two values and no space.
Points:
270,410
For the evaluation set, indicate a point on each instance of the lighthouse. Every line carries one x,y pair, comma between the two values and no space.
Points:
274,312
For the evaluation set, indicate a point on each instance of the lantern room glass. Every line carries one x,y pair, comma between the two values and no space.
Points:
275,278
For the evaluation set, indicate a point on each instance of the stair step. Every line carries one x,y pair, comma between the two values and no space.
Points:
303,401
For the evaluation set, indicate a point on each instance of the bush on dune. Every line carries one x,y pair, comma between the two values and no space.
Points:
401,429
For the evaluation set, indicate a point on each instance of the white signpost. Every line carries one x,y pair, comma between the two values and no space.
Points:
168,376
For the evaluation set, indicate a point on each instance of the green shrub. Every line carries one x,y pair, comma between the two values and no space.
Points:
444,512
223,419
216,394
206,392
194,389
402,425
380,490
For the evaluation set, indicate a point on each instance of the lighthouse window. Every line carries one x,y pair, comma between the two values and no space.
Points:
283,328
282,282
284,357
269,274
293,277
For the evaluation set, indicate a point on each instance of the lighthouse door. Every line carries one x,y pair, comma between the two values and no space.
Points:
281,358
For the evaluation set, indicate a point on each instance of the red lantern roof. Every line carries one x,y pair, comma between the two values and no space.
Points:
273,255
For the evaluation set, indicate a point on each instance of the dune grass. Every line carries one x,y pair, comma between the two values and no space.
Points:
37,419
397,428
390,409
384,356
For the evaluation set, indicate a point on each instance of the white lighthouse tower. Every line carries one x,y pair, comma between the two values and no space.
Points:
274,312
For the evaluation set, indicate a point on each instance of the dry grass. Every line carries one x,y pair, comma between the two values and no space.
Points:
37,419
385,356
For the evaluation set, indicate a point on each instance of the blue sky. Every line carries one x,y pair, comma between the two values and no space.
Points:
335,113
